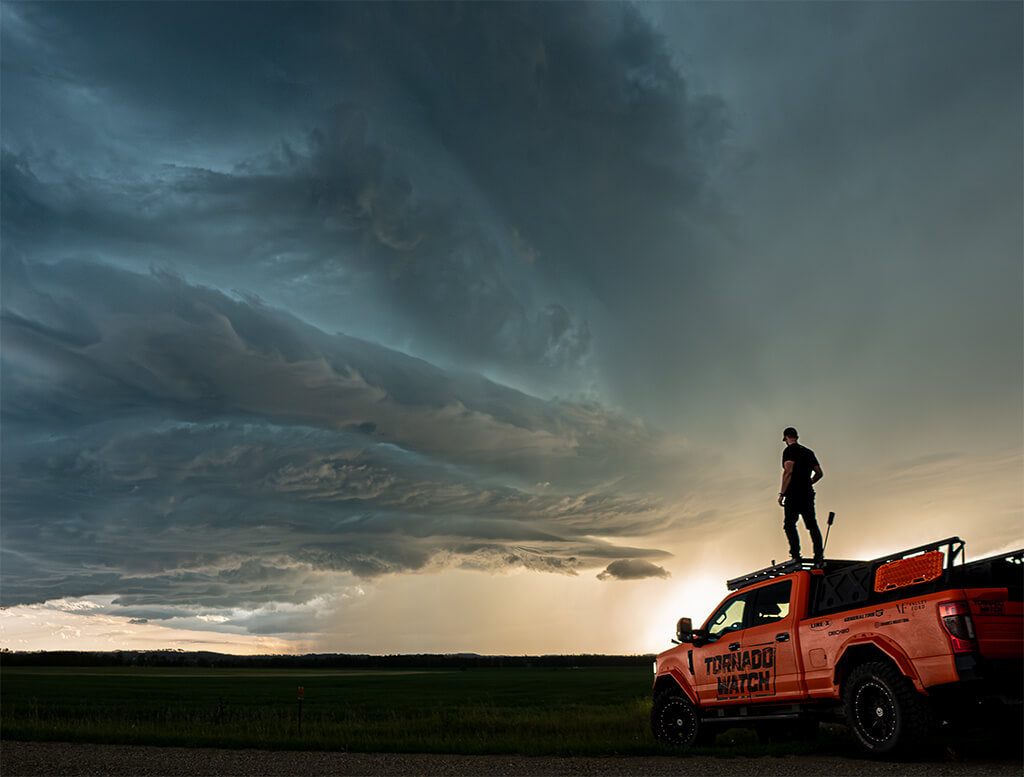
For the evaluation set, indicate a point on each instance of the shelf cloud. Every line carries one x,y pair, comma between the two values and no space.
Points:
305,303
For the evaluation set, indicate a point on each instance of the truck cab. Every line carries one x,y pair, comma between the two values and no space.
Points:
749,647
882,645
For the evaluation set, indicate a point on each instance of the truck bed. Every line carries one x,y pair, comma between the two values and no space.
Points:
849,584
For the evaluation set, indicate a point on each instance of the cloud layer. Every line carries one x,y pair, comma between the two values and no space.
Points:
428,190
299,298
416,175
169,444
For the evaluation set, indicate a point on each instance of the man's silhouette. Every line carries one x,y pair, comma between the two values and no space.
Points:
800,471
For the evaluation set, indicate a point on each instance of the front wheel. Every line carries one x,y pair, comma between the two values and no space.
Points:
884,710
675,721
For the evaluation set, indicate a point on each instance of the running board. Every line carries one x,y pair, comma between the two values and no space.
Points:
740,714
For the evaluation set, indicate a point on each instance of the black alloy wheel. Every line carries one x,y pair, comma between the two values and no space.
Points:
884,710
674,721
874,709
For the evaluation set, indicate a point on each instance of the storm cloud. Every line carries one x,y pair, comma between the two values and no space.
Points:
166,443
439,174
302,298
414,174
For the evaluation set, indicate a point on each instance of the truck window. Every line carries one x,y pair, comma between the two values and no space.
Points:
728,617
771,603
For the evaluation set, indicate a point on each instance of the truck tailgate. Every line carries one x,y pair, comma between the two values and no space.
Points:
998,623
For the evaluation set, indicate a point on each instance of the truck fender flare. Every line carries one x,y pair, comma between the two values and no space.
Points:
674,677
891,650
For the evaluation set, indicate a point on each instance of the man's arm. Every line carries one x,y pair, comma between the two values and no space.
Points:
818,474
787,475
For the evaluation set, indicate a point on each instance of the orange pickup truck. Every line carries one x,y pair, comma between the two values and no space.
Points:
891,647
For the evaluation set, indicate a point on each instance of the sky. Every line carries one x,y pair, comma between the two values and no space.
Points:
435,328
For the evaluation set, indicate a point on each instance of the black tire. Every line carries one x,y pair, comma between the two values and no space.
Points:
675,721
884,710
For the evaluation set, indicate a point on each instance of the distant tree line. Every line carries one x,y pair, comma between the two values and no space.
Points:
171,658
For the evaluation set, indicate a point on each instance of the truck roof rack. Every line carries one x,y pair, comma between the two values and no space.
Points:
777,570
954,550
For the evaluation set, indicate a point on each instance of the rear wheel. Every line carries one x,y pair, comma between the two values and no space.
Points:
675,721
884,710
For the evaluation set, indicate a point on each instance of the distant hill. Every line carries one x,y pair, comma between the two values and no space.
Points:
171,658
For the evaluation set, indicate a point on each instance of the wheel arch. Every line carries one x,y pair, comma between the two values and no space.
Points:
861,652
673,681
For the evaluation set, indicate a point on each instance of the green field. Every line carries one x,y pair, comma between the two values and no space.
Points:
530,711
518,710
512,710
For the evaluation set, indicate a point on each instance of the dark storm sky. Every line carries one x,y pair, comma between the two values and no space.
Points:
296,294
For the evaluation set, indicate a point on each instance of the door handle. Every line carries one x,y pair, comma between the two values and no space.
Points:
734,646
783,637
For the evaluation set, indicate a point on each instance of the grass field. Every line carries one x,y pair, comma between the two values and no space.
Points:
531,711
520,710
523,710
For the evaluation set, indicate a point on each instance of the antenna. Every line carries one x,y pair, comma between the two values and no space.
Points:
831,518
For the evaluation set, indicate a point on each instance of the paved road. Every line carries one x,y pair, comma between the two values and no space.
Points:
49,759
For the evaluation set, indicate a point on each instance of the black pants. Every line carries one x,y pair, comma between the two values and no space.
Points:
794,508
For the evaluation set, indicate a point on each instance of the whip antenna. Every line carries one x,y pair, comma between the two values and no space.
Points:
831,518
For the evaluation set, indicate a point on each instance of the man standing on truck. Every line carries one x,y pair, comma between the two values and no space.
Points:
800,471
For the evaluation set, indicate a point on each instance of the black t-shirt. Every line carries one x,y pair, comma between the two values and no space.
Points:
804,462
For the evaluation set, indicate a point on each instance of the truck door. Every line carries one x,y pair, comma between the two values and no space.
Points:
767,662
713,659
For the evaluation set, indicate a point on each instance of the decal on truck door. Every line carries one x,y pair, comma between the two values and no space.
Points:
758,619
744,673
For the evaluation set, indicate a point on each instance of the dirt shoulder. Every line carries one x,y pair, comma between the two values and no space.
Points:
49,759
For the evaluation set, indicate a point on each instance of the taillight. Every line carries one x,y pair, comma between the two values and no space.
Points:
956,619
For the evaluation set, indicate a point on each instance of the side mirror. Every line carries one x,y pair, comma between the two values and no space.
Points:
686,633
684,630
